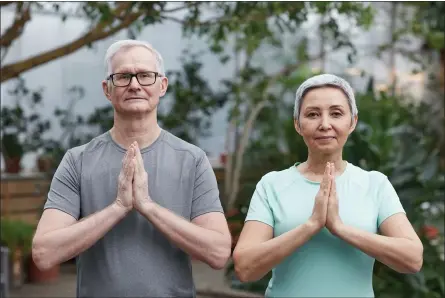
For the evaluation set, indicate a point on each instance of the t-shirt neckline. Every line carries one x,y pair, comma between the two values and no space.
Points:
337,178
143,150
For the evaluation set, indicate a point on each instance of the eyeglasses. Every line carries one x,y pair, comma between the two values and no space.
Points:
145,78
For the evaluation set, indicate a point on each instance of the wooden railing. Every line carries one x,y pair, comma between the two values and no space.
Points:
22,196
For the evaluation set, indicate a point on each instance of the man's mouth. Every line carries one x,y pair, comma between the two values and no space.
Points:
135,98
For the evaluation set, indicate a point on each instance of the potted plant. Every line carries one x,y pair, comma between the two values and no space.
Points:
17,236
12,152
21,126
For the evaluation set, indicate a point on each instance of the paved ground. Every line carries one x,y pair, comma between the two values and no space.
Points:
209,283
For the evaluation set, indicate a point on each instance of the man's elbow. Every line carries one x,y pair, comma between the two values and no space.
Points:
221,256
40,256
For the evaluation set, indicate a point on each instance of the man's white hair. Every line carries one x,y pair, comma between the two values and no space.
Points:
128,43
324,80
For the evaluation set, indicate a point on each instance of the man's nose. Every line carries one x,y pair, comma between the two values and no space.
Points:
134,84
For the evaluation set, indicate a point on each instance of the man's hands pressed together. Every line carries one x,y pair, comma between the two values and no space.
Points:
140,182
124,197
133,181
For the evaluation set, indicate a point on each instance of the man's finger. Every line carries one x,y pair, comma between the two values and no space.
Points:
127,165
139,159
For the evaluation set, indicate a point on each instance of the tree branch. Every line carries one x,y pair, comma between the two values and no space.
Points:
22,16
4,3
13,70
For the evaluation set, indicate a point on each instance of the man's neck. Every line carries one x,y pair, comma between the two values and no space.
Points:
145,131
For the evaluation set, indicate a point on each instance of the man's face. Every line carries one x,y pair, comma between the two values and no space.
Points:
134,98
325,120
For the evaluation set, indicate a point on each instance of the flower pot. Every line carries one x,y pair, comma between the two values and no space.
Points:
17,272
35,275
44,164
12,165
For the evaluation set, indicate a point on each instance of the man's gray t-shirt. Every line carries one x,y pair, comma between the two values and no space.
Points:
134,259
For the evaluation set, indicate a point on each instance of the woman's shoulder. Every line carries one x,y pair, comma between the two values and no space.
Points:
358,172
278,176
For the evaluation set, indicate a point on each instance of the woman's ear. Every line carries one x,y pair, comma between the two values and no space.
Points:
297,126
353,124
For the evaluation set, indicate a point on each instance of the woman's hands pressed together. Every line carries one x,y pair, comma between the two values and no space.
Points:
325,211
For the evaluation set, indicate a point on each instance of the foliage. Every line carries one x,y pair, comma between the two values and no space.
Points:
193,101
16,234
391,137
21,124
215,20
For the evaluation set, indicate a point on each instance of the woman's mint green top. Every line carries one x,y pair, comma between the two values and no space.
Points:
325,266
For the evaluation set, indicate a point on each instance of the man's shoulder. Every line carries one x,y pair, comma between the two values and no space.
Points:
178,144
93,145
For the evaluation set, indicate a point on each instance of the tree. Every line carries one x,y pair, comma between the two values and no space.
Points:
254,88
215,20
105,18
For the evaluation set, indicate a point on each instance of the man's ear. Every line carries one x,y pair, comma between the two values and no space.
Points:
353,124
106,88
163,86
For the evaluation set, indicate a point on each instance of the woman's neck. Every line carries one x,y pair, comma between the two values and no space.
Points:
316,164
144,131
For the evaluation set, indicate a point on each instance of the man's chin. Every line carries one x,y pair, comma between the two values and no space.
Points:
135,110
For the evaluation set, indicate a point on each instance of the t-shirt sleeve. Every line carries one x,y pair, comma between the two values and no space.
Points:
205,193
389,201
259,208
64,192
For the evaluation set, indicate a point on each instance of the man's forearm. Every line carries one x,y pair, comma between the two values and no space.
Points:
58,246
400,254
209,246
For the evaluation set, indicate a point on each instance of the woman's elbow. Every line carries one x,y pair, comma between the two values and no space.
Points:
415,263
242,271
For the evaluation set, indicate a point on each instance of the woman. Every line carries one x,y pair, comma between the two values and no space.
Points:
320,224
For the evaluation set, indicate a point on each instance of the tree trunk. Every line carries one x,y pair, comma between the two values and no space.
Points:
240,151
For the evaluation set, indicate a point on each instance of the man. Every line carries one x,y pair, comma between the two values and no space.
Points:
136,202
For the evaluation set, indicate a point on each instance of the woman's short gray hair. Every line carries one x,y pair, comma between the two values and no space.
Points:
322,81
118,45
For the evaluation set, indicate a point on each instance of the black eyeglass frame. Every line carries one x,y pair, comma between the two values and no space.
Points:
132,75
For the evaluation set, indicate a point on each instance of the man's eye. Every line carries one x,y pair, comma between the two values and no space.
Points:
123,76
146,75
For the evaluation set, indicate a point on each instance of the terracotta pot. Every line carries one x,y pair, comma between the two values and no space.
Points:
17,274
44,164
12,165
35,275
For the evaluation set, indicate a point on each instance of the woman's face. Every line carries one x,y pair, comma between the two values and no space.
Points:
325,120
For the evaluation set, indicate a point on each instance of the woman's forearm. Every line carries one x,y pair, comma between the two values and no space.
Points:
401,254
55,247
252,263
